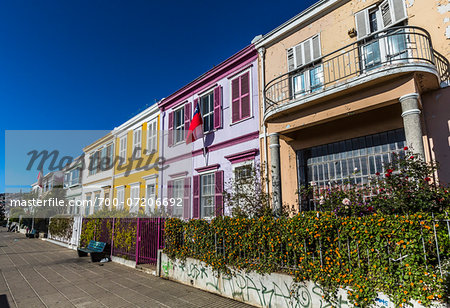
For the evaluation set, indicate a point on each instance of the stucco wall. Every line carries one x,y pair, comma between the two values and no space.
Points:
436,114
272,290
185,159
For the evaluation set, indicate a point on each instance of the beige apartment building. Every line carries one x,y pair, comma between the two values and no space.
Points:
346,83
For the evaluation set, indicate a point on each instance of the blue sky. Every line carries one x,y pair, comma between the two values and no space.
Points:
91,65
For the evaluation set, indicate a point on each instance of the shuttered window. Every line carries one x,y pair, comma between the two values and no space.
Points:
390,13
240,97
304,53
152,135
137,142
122,150
207,108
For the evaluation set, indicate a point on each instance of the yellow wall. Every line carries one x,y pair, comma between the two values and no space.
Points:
135,176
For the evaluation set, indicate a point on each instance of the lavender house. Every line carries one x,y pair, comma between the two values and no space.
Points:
195,174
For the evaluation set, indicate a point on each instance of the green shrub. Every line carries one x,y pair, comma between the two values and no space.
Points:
368,254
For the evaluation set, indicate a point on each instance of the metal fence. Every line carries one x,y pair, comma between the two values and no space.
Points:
136,239
432,249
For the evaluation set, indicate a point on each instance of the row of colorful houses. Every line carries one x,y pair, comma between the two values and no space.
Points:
337,88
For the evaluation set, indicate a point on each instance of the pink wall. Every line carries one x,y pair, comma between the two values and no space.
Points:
436,112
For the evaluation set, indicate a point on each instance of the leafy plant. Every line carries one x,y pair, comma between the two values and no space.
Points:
393,254
61,226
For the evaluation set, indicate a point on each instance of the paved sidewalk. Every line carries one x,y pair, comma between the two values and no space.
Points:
35,273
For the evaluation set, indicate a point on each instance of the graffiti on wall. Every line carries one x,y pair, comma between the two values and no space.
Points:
250,288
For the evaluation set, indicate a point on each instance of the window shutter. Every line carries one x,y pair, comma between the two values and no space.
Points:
218,107
386,16
170,135
290,59
245,95
307,51
187,118
186,198
235,100
316,47
169,196
298,55
196,194
362,24
218,175
398,10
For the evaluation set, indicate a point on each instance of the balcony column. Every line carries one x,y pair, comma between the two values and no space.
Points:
274,145
411,123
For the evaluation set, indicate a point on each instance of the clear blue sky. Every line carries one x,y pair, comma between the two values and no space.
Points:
91,65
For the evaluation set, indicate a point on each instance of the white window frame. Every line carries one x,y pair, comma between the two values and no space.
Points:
177,128
97,205
137,143
123,150
210,113
134,197
150,205
250,81
152,136
93,163
201,195
120,195
177,205
87,204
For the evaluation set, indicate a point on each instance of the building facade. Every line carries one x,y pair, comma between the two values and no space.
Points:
348,82
73,185
97,176
135,169
194,175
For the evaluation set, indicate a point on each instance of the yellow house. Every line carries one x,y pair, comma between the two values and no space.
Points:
135,179
348,82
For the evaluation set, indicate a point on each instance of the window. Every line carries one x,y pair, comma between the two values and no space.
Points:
120,198
152,134
354,159
311,78
207,193
75,177
375,50
93,160
137,141
207,106
87,206
178,194
240,97
123,150
109,157
134,198
178,118
96,202
242,172
150,195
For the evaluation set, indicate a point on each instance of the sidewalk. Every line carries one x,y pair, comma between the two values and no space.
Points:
35,273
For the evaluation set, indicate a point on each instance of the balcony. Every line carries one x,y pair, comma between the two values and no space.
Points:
393,51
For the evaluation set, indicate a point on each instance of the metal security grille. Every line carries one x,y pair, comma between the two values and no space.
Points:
353,160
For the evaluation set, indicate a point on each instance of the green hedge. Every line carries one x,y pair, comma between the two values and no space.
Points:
366,255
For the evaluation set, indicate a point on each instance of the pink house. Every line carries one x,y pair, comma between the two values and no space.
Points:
195,174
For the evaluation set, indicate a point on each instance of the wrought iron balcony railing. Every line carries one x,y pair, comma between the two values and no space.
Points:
384,50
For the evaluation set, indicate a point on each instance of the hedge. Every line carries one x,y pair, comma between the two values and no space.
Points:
393,254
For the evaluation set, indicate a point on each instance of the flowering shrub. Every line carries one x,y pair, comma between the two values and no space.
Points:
405,187
364,255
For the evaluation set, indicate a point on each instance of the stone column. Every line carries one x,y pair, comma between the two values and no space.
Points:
411,123
274,145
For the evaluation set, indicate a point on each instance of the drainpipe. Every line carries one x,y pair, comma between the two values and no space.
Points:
161,152
262,52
